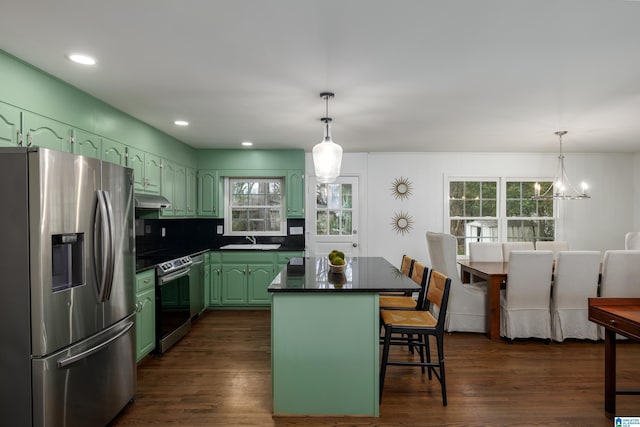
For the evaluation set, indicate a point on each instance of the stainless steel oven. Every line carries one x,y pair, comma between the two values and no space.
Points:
173,316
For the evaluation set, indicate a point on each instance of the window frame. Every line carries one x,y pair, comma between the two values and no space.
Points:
228,206
447,207
501,207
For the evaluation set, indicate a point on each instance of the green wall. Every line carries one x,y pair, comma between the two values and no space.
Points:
251,159
31,89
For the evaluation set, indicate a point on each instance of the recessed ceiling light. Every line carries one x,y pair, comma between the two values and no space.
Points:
247,143
181,123
82,59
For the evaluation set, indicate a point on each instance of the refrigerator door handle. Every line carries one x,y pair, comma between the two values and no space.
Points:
101,238
111,258
63,363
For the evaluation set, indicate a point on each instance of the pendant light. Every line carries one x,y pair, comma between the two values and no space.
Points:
561,188
327,155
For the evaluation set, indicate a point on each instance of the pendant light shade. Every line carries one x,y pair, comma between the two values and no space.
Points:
327,155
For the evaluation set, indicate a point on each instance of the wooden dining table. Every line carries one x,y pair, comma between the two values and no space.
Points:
494,273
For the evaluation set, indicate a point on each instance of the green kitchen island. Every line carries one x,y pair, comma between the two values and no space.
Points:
325,335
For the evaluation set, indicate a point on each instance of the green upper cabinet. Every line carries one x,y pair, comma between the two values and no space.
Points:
152,173
9,125
208,203
174,188
180,191
147,170
191,192
114,152
168,186
45,132
295,193
86,144
135,160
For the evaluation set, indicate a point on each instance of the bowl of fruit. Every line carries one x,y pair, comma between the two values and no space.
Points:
337,264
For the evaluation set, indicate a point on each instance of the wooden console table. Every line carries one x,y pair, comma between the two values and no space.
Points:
618,316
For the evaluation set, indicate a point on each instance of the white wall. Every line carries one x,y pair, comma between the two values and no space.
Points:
598,223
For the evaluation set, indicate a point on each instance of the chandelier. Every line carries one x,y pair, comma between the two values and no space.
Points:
327,155
561,188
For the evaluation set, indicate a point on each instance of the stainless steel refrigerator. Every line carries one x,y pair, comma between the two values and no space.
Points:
67,271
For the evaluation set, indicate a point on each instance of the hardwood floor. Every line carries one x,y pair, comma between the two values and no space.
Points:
220,375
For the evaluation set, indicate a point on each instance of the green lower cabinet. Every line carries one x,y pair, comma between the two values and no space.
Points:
215,279
145,313
234,284
259,278
241,278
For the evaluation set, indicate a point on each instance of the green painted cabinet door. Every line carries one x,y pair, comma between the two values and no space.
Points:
114,152
208,193
234,284
258,279
168,186
45,132
10,134
295,194
145,313
191,195
215,279
86,144
152,173
145,323
135,160
180,191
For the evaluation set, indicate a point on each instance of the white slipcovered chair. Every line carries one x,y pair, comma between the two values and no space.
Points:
466,311
515,246
485,252
576,280
620,276
553,246
524,306
632,240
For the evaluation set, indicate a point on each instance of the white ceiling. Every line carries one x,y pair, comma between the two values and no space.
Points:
409,75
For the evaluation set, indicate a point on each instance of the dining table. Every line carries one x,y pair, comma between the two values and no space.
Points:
617,316
325,335
495,274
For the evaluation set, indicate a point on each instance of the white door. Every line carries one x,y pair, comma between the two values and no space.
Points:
334,217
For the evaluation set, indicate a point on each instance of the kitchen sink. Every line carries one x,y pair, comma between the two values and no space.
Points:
251,246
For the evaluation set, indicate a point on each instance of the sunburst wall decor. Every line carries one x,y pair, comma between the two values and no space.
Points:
402,222
401,188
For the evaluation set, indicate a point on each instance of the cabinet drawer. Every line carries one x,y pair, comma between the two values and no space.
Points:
247,257
145,280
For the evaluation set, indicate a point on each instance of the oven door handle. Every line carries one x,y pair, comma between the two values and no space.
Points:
173,276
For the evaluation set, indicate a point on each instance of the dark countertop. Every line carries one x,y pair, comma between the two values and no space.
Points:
362,274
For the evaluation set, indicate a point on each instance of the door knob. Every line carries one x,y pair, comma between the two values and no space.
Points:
355,245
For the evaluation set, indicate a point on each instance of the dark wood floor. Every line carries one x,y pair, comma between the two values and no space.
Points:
220,375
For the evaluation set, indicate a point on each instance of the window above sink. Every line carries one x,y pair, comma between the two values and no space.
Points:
255,206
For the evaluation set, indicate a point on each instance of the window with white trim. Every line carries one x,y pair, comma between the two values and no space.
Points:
255,207
528,220
473,211
497,210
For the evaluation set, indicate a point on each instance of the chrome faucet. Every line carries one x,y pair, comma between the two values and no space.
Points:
252,239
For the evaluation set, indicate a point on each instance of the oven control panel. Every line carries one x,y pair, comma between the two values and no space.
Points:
174,265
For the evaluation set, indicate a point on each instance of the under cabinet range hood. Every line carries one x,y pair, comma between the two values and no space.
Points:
151,201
